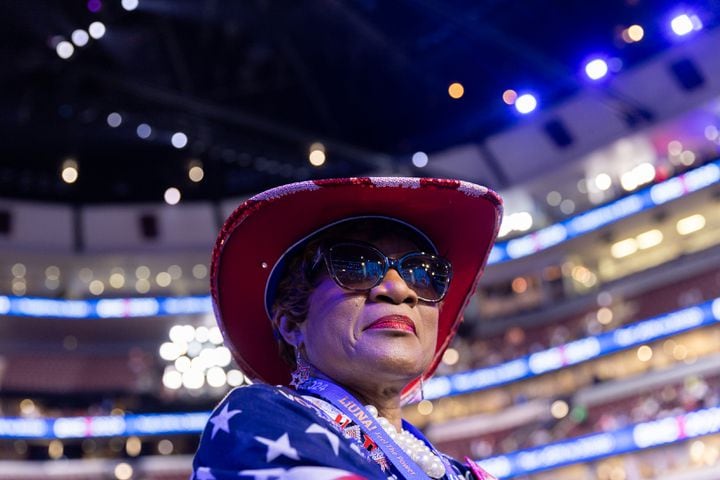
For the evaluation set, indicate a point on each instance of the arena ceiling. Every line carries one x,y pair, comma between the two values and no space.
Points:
254,83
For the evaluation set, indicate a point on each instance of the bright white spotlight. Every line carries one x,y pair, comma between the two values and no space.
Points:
420,159
65,49
684,24
525,103
596,69
80,37
179,140
129,5
172,196
97,30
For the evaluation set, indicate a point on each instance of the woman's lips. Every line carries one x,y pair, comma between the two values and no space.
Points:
393,322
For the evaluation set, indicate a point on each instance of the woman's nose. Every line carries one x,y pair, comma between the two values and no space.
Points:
393,289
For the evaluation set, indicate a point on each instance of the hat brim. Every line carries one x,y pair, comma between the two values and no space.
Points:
462,220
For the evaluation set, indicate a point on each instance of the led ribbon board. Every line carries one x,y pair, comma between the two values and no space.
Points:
591,220
103,426
599,445
554,455
104,308
575,352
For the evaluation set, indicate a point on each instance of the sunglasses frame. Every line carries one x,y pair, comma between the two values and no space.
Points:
389,262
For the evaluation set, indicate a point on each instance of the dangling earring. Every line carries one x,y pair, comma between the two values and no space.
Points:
302,370
422,389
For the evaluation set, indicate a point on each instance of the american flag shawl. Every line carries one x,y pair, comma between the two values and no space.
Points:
262,432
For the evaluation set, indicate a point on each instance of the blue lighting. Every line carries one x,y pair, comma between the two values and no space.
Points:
607,214
575,352
633,438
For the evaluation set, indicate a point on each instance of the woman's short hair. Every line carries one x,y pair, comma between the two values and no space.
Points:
301,276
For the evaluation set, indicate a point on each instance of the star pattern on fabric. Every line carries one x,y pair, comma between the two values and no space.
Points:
278,447
332,438
221,421
203,473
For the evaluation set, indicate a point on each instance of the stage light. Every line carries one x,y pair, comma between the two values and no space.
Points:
450,357
175,272
165,447
19,270
712,133
179,140
144,131
142,272
553,198
235,378
163,279
509,96
97,30
80,37
632,34
559,409
172,379
525,103
216,377
688,225
567,206
94,5
196,172
114,119
199,271
624,248
675,148
456,90
142,285
129,5
172,196
64,49
425,407
644,353
603,181
420,159
69,172
649,239
317,158
683,24
96,287
117,280
596,69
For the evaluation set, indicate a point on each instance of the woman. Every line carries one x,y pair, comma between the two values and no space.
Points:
361,283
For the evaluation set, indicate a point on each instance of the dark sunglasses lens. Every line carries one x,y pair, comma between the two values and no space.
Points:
429,276
355,266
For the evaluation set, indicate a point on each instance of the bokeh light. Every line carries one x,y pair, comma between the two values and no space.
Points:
526,103
456,90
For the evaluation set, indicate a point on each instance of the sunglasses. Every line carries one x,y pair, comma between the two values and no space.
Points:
359,266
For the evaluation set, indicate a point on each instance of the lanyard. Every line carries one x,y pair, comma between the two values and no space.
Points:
354,409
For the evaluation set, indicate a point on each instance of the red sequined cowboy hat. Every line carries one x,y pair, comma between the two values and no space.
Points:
461,220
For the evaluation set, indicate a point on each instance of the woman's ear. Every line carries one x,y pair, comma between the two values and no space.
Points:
290,331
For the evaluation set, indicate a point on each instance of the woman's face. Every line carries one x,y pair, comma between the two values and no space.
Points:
366,338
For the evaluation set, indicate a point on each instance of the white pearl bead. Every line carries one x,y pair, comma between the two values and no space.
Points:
415,448
372,410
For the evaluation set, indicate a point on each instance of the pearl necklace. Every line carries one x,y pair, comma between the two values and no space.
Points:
414,447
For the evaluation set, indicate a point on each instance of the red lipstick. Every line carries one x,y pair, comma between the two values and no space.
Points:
393,322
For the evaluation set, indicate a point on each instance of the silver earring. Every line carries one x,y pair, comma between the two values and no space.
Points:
302,370
422,389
